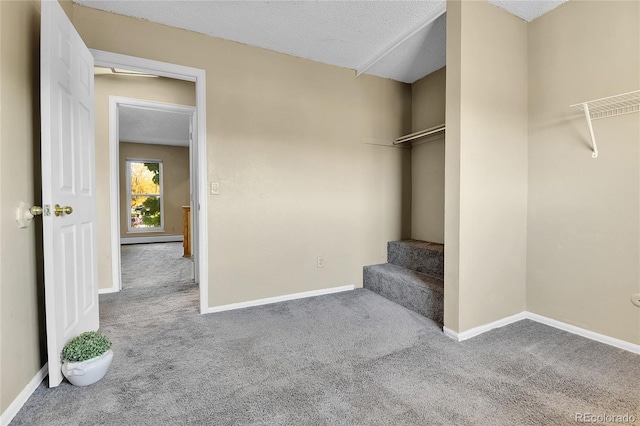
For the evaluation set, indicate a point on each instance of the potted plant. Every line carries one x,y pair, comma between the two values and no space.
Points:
86,358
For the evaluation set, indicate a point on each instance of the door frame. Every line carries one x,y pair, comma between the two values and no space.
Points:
114,169
198,155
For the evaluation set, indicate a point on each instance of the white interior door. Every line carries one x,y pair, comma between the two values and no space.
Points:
68,179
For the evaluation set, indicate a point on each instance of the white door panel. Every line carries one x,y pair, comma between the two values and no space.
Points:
68,179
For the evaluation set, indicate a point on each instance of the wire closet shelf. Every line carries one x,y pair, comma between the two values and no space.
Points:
611,106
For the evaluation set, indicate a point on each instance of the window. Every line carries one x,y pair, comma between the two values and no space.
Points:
144,192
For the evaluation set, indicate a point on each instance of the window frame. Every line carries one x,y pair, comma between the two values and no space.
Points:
128,162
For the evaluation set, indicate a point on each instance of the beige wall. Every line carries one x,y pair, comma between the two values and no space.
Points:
286,140
452,167
21,290
151,89
487,60
428,97
175,183
583,239
427,158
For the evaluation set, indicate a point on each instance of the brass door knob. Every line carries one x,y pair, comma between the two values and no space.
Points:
59,211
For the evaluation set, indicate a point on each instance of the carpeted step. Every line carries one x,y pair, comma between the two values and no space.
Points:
421,256
414,290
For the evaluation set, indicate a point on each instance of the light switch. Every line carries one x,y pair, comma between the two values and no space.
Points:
214,188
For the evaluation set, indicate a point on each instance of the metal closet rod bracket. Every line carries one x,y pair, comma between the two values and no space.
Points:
420,134
611,106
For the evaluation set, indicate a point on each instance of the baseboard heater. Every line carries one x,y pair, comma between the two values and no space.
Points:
151,239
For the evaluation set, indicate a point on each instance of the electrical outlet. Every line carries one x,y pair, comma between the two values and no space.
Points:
214,188
320,262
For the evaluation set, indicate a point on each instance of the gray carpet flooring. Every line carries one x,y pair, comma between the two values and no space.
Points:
351,358
147,265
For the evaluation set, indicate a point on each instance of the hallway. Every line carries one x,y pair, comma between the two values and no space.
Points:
159,264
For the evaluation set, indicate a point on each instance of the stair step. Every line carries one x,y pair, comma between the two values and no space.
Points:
414,290
421,256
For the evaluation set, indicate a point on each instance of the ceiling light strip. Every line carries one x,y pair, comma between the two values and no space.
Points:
430,18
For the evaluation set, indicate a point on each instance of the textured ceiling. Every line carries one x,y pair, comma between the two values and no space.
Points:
348,34
420,55
143,125
528,9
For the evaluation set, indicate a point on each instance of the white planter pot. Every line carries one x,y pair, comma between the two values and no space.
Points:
87,372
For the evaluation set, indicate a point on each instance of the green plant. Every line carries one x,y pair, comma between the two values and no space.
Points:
151,212
85,346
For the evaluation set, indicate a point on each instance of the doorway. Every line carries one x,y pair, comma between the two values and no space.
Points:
154,181
197,162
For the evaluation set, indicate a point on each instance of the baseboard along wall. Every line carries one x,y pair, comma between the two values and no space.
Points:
277,299
612,341
151,239
23,396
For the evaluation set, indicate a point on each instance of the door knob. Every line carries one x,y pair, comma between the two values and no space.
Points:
59,211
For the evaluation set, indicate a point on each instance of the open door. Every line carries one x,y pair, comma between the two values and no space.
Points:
68,184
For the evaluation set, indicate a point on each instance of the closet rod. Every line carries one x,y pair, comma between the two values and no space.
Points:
420,134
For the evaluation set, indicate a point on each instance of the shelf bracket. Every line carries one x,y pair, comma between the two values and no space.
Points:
611,106
587,115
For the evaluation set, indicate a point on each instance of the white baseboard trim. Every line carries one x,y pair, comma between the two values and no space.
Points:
602,338
20,400
612,341
151,239
450,333
277,299
106,290
473,332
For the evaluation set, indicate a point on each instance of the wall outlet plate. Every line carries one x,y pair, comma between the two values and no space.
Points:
320,262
